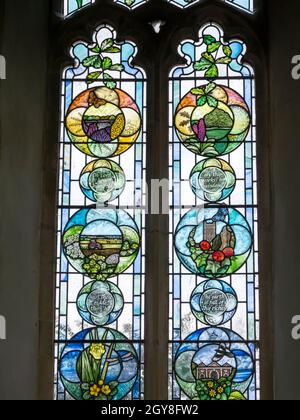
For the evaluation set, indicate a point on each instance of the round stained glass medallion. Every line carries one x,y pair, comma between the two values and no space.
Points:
101,243
213,242
100,303
98,364
214,302
212,180
103,122
212,120
214,364
102,181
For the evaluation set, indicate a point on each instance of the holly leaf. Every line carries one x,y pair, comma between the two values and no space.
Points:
117,67
93,61
106,63
217,242
201,261
227,50
109,81
106,44
224,60
212,72
213,47
201,65
208,39
212,102
93,76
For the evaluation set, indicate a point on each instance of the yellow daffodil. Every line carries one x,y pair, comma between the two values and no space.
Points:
95,391
97,351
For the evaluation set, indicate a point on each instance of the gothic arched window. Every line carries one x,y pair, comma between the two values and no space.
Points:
125,275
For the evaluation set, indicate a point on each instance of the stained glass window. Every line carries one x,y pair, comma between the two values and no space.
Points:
131,4
101,226
246,5
214,281
71,6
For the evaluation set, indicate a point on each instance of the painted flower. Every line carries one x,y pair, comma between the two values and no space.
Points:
220,390
95,391
212,393
210,384
97,351
106,390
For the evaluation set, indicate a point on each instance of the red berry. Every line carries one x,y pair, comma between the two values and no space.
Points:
228,252
218,256
205,246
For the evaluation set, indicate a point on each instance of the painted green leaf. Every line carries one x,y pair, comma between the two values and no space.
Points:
109,81
79,3
212,101
210,87
202,100
197,91
113,50
117,67
217,242
213,47
93,61
93,76
203,64
227,50
212,72
237,396
208,57
224,60
208,39
96,49
201,261
106,63
107,43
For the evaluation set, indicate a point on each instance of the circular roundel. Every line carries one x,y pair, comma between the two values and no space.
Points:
213,242
98,364
102,181
214,364
101,243
103,122
212,120
100,303
212,180
214,302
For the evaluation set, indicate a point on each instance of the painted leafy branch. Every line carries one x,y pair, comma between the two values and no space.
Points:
204,95
103,63
209,60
